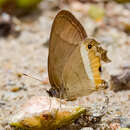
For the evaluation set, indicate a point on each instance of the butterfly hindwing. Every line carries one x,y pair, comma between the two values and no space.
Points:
76,80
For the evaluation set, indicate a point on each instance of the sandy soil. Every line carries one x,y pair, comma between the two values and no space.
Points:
28,54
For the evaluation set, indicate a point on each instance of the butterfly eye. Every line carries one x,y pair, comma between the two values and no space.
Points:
100,69
89,46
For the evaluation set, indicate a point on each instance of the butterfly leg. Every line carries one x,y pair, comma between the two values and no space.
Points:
60,95
49,103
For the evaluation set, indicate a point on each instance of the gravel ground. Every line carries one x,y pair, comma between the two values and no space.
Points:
28,54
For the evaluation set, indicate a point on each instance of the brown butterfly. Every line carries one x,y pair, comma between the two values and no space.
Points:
74,61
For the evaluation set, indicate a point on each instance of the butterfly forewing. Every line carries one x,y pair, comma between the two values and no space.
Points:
66,34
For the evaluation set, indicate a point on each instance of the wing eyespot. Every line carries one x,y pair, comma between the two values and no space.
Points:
89,46
100,69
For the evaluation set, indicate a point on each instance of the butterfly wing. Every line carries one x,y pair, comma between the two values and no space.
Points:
76,80
82,74
66,34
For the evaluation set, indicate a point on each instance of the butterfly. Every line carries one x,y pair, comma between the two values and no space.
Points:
74,60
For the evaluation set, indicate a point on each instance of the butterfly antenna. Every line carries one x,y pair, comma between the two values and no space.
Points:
32,77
